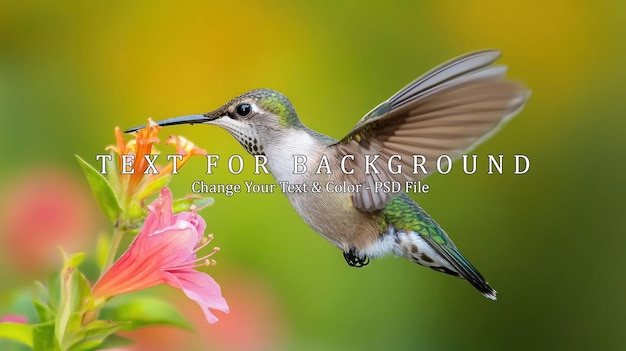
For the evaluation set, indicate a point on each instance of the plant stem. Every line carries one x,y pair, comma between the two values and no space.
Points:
115,243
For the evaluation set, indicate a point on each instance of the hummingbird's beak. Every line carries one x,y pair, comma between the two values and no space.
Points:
189,119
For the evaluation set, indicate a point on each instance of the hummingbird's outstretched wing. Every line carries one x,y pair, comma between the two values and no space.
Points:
447,111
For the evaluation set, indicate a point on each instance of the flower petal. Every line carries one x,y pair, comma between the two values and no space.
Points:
195,220
120,144
201,288
160,213
161,245
184,146
164,251
148,258
144,140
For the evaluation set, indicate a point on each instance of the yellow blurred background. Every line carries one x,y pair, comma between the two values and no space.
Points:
551,241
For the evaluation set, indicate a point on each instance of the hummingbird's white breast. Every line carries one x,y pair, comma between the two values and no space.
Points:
282,151
331,214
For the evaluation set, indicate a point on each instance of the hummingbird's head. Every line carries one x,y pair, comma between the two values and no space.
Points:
254,118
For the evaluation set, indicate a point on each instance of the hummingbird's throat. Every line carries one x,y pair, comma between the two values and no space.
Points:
250,140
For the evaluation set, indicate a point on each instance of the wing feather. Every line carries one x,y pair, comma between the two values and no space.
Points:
447,111
454,68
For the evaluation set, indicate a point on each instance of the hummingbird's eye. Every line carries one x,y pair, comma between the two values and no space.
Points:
243,109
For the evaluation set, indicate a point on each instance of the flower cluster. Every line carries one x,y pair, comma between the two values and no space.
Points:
133,188
74,314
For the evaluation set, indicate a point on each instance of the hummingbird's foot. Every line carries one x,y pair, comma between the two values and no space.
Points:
354,260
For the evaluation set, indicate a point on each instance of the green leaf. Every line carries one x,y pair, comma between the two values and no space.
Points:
17,332
41,292
134,214
74,291
143,311
184,204
73,261
53,292
102,191
116,341
43,337
43,311
93,335
113,176
152,187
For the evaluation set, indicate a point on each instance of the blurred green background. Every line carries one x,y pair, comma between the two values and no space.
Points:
551,241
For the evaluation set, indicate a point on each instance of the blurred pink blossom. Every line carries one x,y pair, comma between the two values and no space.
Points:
14,318
256,322
40,209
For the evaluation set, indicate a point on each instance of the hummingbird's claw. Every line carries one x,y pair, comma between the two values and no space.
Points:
355,260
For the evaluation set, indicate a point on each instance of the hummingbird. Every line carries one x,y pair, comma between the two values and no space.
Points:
449,110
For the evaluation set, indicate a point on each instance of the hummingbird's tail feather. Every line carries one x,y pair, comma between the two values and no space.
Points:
443,258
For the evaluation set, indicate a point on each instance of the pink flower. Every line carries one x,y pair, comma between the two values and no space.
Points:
41,208
14,318
164,251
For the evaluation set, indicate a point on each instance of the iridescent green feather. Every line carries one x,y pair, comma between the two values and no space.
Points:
277,104
404,214
363,130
